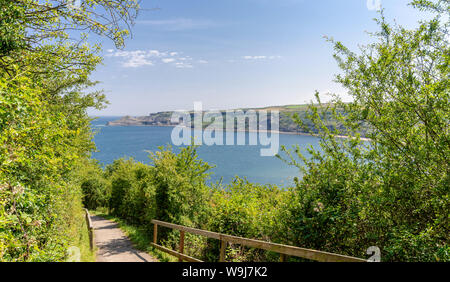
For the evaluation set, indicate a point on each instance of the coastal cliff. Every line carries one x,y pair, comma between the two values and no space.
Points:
286,122
155,119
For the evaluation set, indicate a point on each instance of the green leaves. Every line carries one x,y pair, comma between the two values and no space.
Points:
180,185
53,34
44,127
391,191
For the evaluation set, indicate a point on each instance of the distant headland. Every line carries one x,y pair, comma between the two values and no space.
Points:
286,124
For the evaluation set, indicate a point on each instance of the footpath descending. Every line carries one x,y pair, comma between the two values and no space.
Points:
113,245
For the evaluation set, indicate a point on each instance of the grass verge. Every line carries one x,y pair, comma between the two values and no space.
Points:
77,231
85,245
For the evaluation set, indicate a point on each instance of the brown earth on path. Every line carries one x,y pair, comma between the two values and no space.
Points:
113,245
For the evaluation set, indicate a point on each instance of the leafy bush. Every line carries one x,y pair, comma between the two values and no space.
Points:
181,193
247,210
132,195
393,190
94,186
45,132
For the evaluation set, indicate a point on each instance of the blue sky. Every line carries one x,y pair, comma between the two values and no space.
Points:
234,53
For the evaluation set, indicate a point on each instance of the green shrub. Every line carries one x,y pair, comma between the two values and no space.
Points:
95,188
393,190
45,131
181,193
132,193
247,210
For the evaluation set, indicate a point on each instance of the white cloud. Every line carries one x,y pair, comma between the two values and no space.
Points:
183,65
157,53
137,62
168,60
132,59
140,58
255,58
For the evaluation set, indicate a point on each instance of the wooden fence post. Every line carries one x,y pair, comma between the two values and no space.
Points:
181,244
223,247
90,230
155,233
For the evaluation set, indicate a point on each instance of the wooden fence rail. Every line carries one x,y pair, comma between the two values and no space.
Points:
283,250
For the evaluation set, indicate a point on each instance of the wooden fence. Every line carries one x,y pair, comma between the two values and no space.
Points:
283,250
90,229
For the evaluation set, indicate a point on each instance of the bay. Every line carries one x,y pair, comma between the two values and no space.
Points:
229,161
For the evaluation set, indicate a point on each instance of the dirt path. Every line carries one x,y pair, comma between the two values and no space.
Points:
113,245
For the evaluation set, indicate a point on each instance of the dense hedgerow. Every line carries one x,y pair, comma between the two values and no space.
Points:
45,133
393,191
